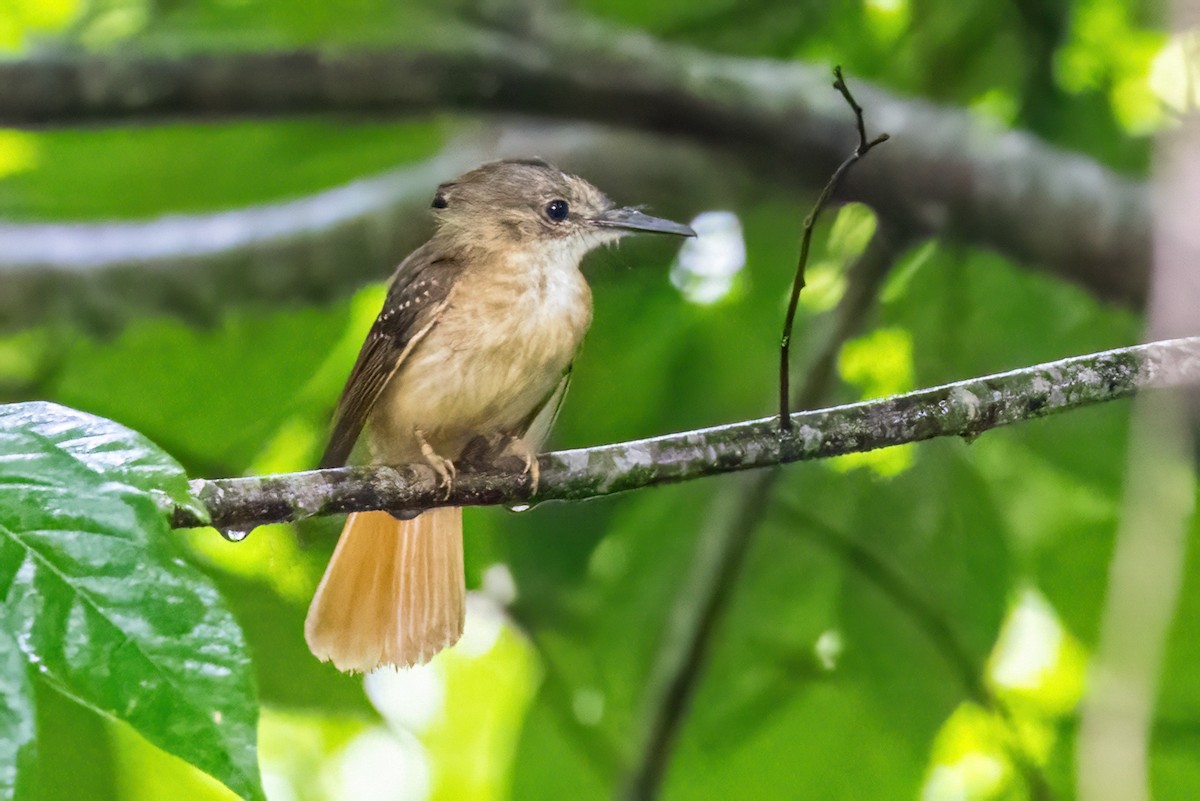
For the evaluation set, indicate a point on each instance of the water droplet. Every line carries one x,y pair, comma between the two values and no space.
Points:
233,534
520,507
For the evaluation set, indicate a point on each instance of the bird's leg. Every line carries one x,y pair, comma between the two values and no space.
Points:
440,464
520,448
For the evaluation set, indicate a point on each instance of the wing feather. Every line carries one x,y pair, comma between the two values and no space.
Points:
416,298
536,429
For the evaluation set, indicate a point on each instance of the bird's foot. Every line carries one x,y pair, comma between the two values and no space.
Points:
520,448
444,468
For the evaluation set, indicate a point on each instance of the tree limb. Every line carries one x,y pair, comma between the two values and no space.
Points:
946,173
966,409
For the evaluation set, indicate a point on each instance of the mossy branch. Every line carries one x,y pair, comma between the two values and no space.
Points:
966,408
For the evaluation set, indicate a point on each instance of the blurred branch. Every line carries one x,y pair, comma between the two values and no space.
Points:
1147,593
195,266
940,633
724,542
966,409
946,174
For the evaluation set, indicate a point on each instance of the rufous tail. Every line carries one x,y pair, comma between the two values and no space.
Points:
393,594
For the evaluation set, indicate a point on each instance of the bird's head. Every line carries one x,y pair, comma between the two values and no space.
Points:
530,205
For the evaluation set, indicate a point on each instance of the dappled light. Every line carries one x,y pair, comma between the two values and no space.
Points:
707,266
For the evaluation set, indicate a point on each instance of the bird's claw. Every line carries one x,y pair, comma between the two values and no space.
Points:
443,467
520,448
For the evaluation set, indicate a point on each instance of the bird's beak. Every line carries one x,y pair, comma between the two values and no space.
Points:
634,220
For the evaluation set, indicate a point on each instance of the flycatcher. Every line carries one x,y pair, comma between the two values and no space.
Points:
476,338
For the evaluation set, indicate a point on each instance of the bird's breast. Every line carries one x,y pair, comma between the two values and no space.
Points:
495,354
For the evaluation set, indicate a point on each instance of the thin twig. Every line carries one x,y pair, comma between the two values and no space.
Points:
785,343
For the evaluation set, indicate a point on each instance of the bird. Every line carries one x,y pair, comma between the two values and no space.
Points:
476,338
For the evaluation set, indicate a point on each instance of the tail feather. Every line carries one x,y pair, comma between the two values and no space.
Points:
393,593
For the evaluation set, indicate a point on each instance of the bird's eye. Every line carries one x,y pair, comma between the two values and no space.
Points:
557,210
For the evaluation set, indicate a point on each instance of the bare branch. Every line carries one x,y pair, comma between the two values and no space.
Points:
966,409
789,319
946,174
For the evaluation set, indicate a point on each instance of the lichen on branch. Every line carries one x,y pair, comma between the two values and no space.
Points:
965,408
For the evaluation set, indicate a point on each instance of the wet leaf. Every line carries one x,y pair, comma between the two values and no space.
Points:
98,600
104,447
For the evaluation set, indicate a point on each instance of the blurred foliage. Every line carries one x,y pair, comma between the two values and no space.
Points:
870,645
54,175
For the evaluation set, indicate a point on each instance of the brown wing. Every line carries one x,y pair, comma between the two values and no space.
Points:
414,301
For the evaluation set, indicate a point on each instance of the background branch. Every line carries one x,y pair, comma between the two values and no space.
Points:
939,630
966,408
946,174
196,266
1145,598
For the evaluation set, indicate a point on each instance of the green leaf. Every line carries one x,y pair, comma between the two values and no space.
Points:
929,575
597,637
18,727
98,600
200,168
865,611
104,447
1060,478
